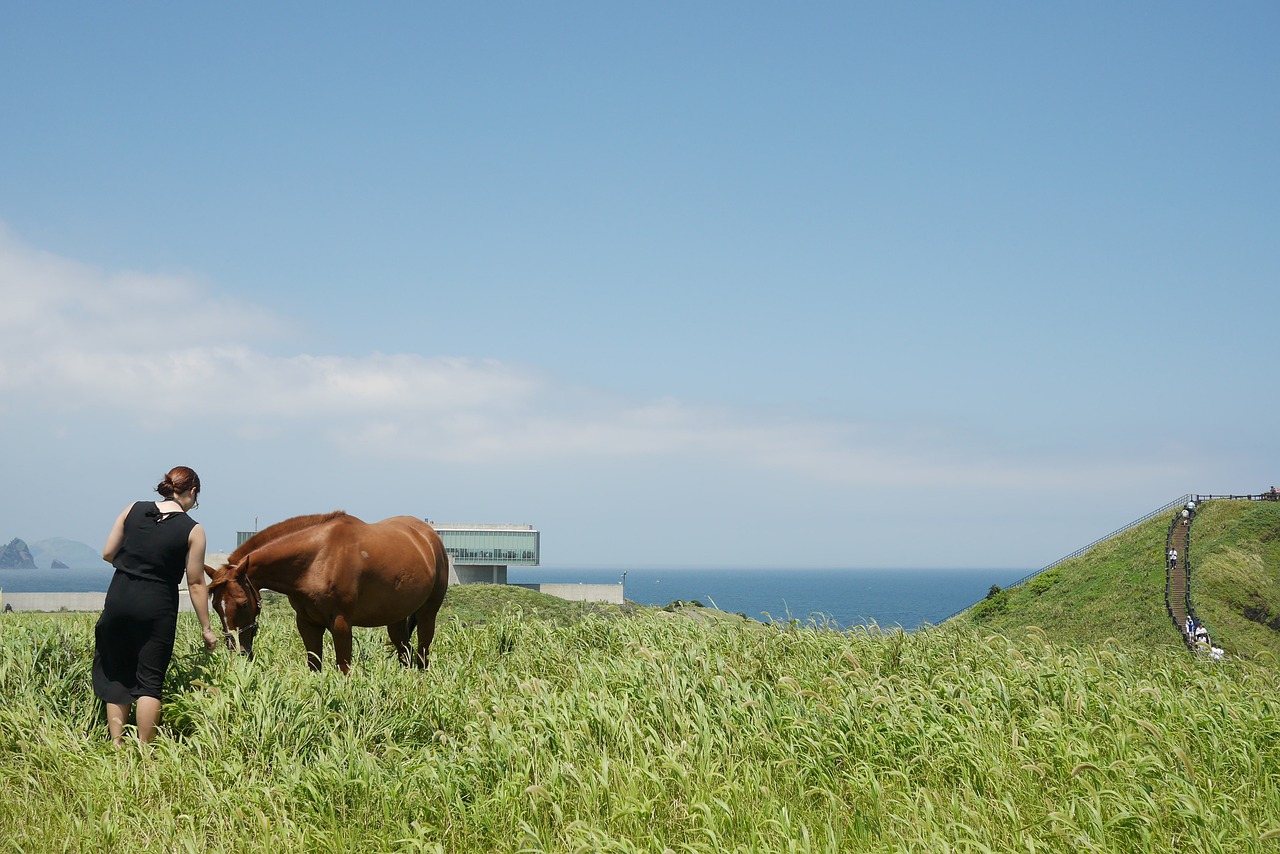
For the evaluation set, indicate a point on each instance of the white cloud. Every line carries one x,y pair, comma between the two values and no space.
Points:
88,358
53,302
76,339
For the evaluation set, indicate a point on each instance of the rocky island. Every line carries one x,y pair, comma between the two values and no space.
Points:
16,555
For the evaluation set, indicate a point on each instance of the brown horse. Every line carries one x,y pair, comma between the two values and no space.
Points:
338,572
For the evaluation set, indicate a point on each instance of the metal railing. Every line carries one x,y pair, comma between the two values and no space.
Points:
1265,496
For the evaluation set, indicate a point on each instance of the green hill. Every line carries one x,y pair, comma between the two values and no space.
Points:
1116,589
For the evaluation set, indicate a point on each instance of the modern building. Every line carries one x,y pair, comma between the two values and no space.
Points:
482,553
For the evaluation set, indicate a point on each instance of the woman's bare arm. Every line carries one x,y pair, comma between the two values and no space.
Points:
115,539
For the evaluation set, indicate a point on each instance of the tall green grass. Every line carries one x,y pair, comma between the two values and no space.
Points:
654,731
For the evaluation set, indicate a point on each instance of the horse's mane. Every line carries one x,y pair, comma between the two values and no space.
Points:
281,529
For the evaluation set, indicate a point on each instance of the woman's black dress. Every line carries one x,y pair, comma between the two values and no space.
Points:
135,632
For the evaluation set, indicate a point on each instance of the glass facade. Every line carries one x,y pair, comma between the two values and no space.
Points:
507,545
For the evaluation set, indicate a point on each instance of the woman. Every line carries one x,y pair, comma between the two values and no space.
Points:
151,545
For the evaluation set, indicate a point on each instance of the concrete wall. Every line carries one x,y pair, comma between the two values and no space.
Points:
70,601
90,601
610,593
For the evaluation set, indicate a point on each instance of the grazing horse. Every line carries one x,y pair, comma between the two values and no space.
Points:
338,572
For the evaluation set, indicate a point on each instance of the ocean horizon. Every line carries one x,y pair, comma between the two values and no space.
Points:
841,598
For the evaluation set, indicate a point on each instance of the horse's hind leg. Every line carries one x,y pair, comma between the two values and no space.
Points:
399,632
426,618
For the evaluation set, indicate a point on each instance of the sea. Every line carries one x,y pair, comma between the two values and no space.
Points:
837,598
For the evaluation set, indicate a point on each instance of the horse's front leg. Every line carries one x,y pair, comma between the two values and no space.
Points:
341,630
312,639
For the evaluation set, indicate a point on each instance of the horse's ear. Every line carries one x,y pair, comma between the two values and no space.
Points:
220,576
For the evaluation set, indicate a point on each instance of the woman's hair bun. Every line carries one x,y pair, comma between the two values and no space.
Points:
179,479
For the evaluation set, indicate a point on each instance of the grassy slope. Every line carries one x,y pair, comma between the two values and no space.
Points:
480,603
1116,590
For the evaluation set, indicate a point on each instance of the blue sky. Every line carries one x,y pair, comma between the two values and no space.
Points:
709,284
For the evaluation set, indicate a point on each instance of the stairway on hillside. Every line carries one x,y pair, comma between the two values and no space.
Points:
1176,588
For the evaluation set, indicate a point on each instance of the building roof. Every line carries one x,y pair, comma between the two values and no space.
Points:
472,526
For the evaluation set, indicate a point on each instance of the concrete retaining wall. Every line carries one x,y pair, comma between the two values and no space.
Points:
69,601
610,593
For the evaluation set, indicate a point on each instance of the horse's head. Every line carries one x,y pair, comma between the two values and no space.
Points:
237,603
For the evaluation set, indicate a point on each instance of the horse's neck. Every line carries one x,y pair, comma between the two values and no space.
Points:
281,530
277,570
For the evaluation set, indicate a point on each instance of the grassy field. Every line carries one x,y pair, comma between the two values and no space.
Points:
550,726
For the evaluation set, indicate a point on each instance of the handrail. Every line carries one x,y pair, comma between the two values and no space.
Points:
1190,641
1154,513
1265,496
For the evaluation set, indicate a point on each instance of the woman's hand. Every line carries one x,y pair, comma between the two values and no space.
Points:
210,639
